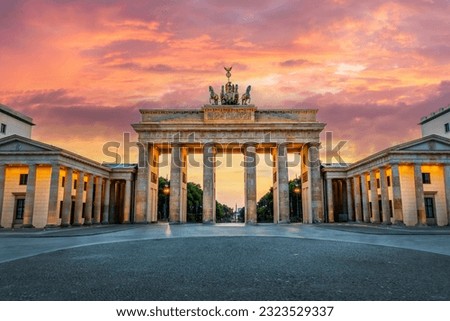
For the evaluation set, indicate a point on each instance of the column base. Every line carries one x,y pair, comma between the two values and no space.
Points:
65,225
27,226
87,223
77,224
126,222
386,223
105,223
251,223
51,226
284,222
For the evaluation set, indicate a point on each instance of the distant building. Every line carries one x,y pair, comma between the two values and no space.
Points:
437,123
14,123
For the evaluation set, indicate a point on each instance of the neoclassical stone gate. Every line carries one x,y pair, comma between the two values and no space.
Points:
228,128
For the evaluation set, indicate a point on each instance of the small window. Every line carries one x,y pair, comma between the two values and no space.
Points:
368,185
23,179
20,207
446,126
429,207
85,186
378,183
389,181
63,181
3,128
426,178
74,184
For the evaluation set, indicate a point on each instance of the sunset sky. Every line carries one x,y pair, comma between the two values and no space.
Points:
82,69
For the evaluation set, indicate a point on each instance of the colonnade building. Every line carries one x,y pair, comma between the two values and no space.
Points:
43,185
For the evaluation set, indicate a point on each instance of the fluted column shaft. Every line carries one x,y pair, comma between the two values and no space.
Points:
67,200
30,196
79,199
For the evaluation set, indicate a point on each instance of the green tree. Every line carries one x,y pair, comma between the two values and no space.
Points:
194,202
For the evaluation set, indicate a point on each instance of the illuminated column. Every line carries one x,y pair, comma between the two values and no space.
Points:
365,199
420,200
105,219
97,200
67,200
209,184
89,200
153,184
316,183
29,197
396,195
127,202
384,196
2,190
142,185
53,196
357,194
178,182
348,183
280,185
447,188
374,197
78,215
330,200
250,184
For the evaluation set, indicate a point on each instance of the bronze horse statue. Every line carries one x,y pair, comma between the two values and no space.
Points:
213,96
246,98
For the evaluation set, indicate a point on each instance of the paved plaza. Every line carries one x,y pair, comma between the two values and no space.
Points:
226,262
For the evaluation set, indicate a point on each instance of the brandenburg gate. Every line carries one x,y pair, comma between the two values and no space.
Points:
228,124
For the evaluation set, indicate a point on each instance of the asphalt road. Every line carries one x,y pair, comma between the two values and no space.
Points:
228,268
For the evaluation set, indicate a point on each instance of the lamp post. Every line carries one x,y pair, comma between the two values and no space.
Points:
166,192
297,193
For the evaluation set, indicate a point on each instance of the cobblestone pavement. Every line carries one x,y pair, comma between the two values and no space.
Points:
226,262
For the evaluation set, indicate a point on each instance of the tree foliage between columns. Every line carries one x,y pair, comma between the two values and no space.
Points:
194,203
264,207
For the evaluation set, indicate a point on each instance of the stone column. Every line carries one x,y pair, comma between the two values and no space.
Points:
374,197
365,199
78,215
281,185
67,200
142,185
52,216
384,196
397,195
178,180
97,200
209,184
89,200
250,184
447,188
153,184
330,200
30,196
420,200
2,190
127,202
357,194
349,200
105,219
